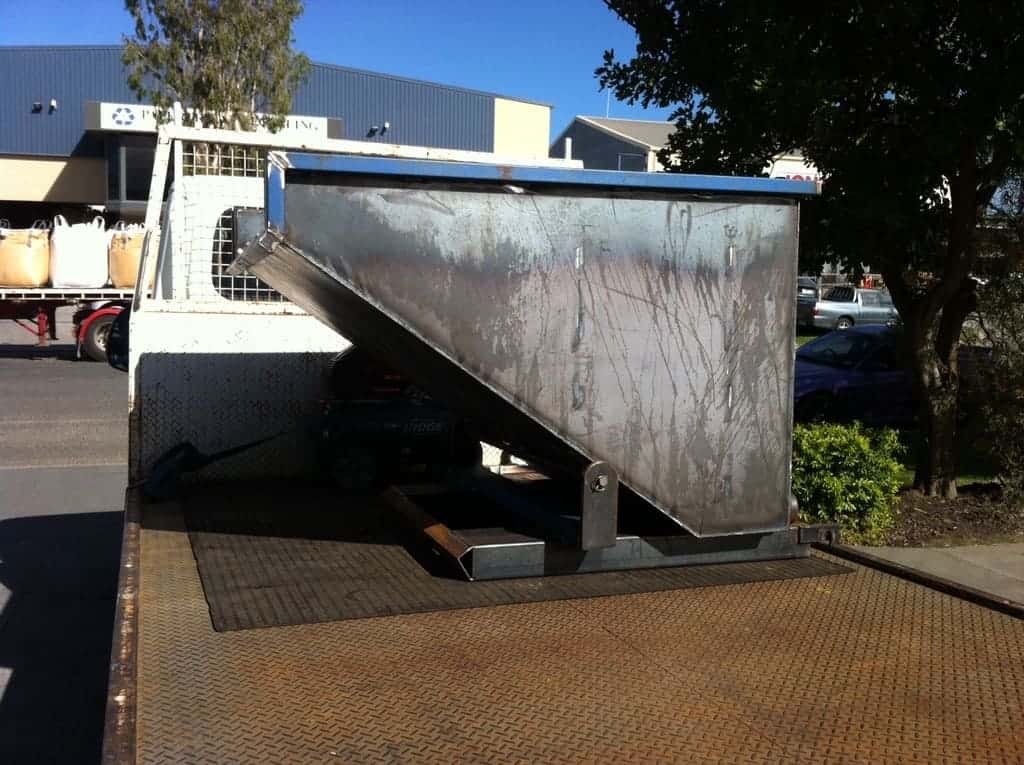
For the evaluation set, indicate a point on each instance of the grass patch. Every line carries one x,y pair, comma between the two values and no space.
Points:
973,467
804,334
962,480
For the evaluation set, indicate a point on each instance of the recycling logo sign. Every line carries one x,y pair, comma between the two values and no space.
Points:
123,116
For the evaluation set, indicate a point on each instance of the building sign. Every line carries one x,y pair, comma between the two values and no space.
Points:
792,167
141,118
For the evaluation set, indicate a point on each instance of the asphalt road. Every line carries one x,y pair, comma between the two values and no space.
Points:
63,454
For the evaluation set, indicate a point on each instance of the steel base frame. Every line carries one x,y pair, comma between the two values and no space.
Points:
497,553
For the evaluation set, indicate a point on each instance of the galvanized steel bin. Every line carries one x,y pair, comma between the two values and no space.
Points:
642,319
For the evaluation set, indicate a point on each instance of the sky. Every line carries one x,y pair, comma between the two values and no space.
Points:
530,49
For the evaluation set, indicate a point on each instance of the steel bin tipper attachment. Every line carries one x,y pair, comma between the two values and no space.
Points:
629,332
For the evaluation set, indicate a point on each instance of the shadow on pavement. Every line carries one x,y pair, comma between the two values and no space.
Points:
55,633
60,351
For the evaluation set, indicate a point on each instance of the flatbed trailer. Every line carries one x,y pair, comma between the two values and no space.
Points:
265,617
860,666
35,311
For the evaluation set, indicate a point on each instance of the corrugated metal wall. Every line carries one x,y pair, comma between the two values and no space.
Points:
70,75
419,113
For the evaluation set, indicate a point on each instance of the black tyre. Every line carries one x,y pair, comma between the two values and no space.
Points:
95,341
844,322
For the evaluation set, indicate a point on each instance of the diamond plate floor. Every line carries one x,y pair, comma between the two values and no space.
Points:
262,564
856,668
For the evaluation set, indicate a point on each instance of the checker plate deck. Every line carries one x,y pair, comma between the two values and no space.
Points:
863,667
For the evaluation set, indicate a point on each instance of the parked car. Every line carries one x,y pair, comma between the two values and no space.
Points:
862,373
855,374
806,287
845,307
806,298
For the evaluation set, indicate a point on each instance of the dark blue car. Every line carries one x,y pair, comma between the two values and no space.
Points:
854,374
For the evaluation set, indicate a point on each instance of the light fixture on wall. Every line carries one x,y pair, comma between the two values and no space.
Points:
37,106
53,105
378,129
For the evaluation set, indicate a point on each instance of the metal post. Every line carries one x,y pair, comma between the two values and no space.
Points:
42,326
122,173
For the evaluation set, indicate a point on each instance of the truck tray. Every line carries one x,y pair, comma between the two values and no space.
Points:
863,667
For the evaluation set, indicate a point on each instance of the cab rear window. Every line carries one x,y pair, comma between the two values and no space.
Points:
840,294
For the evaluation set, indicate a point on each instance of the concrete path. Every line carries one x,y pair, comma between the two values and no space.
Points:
996,569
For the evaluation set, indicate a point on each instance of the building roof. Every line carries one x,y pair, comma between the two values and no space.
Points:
319,64
420,113
652,134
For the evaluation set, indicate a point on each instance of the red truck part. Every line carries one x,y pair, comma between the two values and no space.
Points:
93,330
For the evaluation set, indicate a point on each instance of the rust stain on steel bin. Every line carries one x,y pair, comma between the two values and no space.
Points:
648,329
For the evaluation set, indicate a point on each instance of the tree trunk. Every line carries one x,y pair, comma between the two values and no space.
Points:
934,346
935,474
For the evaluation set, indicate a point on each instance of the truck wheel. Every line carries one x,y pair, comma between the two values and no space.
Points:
95,340
845,322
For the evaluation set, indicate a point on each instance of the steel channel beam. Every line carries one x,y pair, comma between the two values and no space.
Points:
481,554
538,558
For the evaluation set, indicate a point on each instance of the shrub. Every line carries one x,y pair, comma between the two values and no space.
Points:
1000,384
848,475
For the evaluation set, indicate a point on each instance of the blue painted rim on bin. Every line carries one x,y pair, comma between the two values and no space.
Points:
287,162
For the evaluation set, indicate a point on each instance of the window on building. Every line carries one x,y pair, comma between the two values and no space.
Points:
129,167
634,162
138,170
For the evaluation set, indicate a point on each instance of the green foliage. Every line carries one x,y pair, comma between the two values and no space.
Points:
1001,386
913,112
225,60
892,104
847,475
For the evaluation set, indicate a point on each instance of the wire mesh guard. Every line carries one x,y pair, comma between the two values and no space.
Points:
234,162
223,159
244,287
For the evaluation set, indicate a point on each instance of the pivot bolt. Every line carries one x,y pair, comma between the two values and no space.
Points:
600,484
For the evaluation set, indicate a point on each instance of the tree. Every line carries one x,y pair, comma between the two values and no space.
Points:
1000,388
911,110
226,61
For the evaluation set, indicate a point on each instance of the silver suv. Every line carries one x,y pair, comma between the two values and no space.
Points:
843,307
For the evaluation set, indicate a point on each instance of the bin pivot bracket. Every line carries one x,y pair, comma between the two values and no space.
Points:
599,506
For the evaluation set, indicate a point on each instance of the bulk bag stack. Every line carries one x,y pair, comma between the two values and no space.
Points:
125,252
78,253
24,255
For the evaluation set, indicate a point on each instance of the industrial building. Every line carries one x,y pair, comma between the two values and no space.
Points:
72,133
604,143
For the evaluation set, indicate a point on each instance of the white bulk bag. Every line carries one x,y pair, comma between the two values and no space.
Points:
78,253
